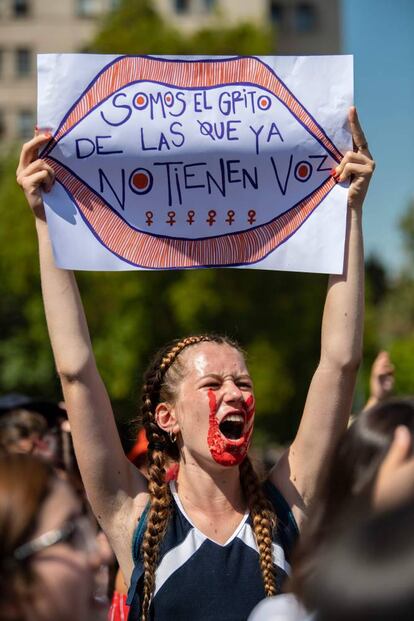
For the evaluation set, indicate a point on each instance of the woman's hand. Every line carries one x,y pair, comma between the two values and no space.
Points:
357,165
382,379
34,175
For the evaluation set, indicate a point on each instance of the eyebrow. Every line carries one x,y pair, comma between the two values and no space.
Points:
218,376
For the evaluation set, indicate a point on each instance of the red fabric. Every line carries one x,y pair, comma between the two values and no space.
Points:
172,473
140,446
119,610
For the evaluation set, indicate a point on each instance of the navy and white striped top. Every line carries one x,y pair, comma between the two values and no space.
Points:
198,579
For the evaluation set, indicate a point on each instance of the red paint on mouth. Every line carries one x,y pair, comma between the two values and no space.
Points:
224,451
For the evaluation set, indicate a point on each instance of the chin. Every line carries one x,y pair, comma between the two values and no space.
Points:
228,456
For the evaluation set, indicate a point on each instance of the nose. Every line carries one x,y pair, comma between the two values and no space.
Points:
232,392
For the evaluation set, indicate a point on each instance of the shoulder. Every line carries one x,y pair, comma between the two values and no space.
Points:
279,608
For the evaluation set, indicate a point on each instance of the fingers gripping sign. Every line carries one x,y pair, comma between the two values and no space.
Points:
356,165
34,174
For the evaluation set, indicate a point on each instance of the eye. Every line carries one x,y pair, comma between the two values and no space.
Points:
245,385
211,383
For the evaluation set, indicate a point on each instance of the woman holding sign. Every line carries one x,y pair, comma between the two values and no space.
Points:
212,543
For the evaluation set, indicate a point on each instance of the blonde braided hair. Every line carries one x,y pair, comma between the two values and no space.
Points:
160,382
264,522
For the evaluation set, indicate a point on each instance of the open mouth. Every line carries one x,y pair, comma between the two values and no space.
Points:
232,427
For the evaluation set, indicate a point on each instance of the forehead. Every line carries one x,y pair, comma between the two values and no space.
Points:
214,358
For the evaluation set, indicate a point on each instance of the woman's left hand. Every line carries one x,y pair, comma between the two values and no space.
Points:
357,165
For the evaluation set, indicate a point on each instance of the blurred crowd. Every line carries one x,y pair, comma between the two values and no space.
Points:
56,563
354,560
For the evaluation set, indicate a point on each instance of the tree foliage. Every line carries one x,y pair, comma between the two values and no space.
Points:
136,28
396,315
407,230
276,316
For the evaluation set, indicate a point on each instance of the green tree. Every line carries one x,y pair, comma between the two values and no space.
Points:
25,362
276,316
136,28
401,352
407,230
396,312
376,290
244,39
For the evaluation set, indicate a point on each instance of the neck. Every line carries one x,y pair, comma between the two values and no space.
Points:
214,491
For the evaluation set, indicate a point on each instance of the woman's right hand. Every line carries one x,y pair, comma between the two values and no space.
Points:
357,165
34,175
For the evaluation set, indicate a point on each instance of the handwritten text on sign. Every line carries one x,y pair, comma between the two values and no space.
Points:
186,163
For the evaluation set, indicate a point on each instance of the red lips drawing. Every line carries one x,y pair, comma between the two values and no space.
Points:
247,238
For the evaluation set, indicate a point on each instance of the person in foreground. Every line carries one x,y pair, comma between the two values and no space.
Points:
372,472
48,554
366,573
213,542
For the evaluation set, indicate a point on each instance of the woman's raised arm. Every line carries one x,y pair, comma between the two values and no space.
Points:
330,395
115,488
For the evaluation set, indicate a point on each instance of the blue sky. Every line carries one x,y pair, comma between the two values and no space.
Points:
380,34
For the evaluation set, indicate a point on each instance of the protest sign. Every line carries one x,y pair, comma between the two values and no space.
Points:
169,163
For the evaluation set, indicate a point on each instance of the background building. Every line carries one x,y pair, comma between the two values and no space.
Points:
28,27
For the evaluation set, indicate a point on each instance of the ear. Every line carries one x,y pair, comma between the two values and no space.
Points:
166,419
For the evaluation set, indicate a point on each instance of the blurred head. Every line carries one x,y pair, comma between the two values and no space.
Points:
31,425
22,431
349,479
362,449
46,545
366,572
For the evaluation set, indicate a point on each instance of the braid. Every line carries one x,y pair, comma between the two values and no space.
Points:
264,522
161,380
159,512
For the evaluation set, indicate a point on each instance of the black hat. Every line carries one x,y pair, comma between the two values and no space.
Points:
49,409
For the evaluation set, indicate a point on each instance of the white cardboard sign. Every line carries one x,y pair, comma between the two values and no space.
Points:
174,163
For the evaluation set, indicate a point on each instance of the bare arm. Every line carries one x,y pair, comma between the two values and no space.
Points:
116,490
329,400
